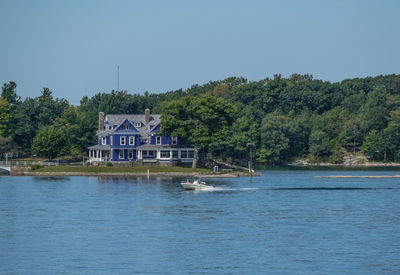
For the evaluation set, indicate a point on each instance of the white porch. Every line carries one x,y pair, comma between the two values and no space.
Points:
99,153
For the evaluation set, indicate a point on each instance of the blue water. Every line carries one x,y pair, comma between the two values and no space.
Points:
285,222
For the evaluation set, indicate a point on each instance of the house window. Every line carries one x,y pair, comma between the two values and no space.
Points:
138,124
152,153
122,141
144,153
164,154
190,154
126,127
158,140
130,154
174,140
121,154
131,140
184,154
174,154
111,140
103,141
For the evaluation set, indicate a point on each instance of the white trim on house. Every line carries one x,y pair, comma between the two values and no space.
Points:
131,140
158,140
165,154
122,140
103,140
174,140
123,154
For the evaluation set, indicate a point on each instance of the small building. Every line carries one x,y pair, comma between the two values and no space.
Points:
135,139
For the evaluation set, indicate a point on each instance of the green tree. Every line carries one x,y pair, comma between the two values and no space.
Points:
203,121
5,115
274,140
49,141
376,145
6,145
320,143
8,93
27,123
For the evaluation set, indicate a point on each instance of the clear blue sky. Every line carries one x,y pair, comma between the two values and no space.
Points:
74,47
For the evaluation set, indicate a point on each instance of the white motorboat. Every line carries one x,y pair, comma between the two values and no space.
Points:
195,185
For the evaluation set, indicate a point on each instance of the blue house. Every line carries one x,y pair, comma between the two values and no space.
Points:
135,139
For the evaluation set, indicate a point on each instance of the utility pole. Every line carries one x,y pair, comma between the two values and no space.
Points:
118,78
251,159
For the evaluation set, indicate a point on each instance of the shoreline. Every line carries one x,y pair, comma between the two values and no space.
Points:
355,177
130,174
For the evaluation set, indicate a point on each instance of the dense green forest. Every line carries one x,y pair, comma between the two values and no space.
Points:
286,118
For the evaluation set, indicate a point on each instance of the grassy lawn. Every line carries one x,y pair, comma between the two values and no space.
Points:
97,169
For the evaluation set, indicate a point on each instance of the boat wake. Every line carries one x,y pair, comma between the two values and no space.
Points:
224,189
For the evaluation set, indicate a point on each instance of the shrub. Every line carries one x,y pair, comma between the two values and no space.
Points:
36,167
109,164
335,159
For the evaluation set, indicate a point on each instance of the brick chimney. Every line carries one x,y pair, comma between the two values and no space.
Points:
101,121
147,116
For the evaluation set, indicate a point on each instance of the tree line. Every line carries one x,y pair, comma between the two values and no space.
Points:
285,118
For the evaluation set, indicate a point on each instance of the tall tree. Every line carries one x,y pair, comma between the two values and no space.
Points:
49,141
274,140
8,93
5,115
203,121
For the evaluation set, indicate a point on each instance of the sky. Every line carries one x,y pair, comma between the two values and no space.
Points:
74,47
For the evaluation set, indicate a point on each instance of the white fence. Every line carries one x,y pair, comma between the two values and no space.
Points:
44,163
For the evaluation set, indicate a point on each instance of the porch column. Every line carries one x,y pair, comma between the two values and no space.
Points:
112,154
139,154
158,154
101,154
170,154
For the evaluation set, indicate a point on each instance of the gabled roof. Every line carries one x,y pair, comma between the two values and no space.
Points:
144,130
119,119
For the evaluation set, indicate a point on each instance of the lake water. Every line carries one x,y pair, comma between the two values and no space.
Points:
284,222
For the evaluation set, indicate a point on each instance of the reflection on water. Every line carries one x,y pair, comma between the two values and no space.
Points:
51,178
283,222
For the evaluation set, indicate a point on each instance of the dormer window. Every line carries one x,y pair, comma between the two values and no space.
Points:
126,127
174,141
138,124
158,140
